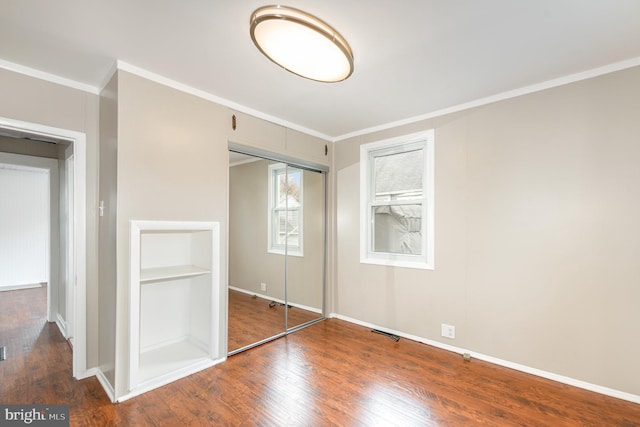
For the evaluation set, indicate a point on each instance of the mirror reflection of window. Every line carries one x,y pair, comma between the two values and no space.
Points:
285,209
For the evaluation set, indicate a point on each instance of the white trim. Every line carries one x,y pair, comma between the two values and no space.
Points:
262,296
51,78
121,65
106,385
69,267
62,326
169,378
560,81
496,361
92,372
80,250
137,385
79,149
107,78
401,143
279,301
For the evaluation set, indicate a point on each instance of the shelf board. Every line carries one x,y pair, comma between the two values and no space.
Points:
170,359
173,272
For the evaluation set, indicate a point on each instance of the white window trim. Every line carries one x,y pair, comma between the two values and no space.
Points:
293,251
427,259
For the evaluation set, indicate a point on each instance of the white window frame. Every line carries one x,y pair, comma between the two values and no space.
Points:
276,169
426,260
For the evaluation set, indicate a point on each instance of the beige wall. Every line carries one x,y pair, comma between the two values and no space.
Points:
36,101
172,164
249,262
537,234
28,148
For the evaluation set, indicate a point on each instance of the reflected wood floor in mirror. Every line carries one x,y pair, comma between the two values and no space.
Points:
331,373
251,319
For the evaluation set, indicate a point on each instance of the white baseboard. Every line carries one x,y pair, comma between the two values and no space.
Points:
86,374
507,364
263,296
106,385
62,325
279,301
170,377
306,308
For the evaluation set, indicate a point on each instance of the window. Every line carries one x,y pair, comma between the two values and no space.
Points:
285,209
396,204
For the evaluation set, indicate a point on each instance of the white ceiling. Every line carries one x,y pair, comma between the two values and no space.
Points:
412,57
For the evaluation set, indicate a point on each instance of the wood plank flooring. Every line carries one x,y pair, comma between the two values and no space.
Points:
331,373
252,319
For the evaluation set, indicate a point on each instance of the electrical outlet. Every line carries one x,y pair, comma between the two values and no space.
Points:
448,331
263,286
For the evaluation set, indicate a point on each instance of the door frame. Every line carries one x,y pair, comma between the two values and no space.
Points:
79,315
69,267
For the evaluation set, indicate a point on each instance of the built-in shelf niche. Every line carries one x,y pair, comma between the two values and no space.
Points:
175,301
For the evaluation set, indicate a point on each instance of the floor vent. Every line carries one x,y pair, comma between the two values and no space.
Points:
386,334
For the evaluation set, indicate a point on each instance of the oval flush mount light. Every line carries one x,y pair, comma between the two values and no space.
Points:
301,43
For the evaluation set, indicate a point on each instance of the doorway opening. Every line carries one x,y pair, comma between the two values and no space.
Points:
66,248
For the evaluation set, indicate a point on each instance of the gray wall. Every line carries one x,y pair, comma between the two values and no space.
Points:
537,234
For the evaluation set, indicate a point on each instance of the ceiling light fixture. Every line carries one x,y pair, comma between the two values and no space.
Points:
301,43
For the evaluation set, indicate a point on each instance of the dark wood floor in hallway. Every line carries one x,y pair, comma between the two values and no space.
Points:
331,373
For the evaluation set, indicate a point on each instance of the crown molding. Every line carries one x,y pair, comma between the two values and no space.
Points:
572,78
52,78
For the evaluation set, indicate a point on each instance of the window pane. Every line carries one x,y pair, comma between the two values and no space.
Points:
398,176
281,198
288,227
288,190
397,229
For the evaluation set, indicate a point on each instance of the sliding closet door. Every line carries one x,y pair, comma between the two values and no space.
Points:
257,307
276,249
305,267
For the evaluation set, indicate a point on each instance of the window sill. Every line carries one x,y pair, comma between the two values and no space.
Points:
288,253
420,265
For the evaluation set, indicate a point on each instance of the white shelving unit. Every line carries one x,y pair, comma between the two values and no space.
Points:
175,294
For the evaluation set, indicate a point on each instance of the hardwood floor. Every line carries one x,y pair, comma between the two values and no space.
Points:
331,373
253,319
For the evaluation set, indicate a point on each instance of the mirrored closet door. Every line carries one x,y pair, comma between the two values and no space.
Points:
276,249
